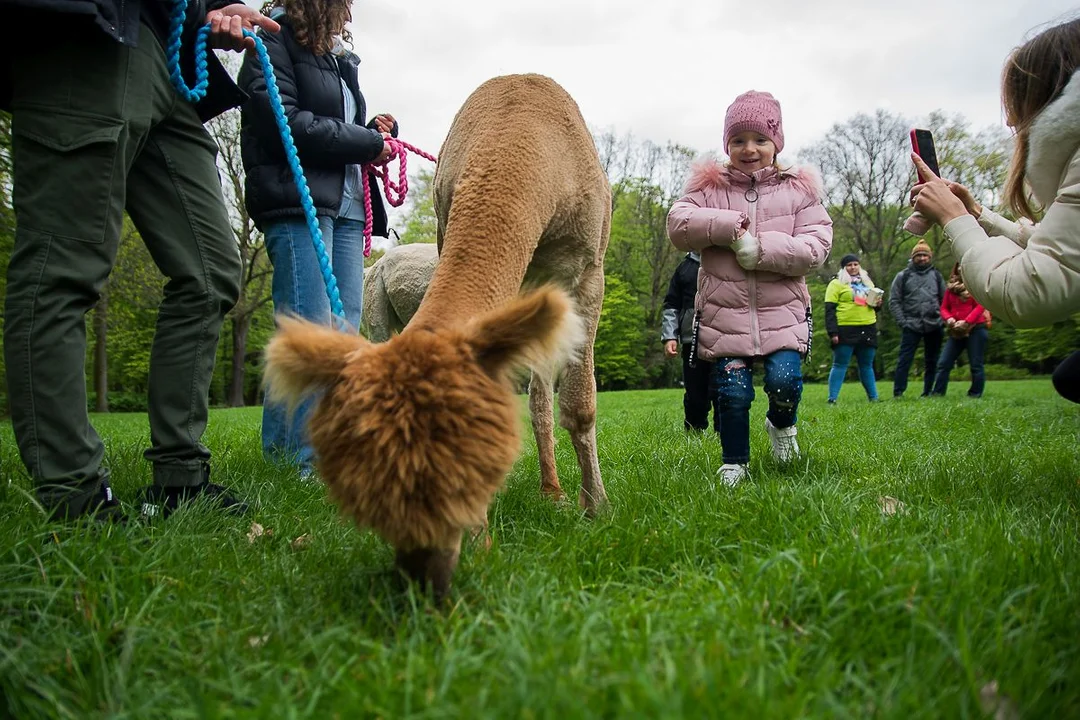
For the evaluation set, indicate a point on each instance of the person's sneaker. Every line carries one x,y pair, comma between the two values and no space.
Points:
102,508
163,501
832,401
731,474
784,446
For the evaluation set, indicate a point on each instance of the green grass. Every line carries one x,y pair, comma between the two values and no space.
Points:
792,595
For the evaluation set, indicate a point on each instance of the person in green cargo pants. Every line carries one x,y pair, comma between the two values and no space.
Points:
97,129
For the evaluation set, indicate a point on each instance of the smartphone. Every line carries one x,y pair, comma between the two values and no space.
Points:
922,142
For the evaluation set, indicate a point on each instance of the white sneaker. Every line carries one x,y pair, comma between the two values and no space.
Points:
731,474
784,446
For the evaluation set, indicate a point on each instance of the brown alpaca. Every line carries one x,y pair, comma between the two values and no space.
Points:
415,435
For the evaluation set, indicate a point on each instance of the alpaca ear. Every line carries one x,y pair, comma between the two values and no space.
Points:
539,330
302,357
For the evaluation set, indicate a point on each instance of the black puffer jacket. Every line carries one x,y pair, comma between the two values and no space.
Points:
310,87
677,320
120,20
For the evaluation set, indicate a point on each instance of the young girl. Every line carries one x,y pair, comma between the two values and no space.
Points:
966,322
760,228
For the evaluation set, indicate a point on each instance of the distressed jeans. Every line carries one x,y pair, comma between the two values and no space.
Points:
298,288
733,385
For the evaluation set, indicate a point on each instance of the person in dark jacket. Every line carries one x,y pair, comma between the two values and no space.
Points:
317,79
97,129
915,301
677,328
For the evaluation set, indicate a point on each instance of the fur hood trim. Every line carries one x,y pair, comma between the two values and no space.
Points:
1055,138
708,172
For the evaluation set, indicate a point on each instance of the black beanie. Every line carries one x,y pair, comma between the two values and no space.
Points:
849,258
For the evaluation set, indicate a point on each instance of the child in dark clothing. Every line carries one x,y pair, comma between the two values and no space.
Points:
678,328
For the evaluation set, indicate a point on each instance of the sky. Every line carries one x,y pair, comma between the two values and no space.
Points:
666,71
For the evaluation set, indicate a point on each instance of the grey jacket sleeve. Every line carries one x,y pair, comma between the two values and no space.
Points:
896,299
669,325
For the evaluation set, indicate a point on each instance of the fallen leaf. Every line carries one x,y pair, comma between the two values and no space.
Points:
890,505
256,641
257,531
301,542
994,701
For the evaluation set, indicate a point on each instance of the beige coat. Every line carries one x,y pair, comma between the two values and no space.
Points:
1030,274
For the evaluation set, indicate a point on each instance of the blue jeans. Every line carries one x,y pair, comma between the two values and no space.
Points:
298,287
975,344
733,384
909,343
841,358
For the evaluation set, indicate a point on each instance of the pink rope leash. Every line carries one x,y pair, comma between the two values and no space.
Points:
394,191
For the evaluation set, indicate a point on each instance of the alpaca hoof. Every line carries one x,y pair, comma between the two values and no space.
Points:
480,538
554,493
594,504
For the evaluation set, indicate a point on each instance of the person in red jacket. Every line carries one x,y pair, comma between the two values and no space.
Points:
967,324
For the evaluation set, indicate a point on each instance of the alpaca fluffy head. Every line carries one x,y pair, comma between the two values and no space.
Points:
414,436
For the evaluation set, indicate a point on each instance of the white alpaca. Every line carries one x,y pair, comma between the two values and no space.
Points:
394,286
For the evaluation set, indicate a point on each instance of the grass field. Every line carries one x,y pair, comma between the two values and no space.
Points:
807,591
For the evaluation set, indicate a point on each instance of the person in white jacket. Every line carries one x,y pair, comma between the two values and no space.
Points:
1024,272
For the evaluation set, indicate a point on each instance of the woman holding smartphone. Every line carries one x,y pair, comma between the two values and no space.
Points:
1026,272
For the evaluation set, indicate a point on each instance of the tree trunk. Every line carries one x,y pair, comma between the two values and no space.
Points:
101,357
235,395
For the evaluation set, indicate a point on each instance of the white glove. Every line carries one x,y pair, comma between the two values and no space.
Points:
747,249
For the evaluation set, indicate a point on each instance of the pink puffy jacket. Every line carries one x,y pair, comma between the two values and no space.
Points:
752,313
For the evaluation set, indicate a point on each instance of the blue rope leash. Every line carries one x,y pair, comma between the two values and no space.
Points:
202,81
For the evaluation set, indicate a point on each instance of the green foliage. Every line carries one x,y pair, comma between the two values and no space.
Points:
420,225
1047,345
791,596
619,342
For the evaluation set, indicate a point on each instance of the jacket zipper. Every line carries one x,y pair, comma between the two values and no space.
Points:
751,277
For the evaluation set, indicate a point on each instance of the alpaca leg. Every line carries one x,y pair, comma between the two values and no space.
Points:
542,410
577,397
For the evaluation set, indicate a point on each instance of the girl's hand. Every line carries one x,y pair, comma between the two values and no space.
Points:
671,348
934,199
835,339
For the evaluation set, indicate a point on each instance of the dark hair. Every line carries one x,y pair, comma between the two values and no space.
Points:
316,22
1035,75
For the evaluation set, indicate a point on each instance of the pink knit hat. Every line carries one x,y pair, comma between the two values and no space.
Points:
758,112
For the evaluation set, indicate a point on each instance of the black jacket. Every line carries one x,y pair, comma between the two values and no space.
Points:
119,20
310,88
677,320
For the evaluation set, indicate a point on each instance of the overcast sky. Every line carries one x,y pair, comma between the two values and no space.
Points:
666,71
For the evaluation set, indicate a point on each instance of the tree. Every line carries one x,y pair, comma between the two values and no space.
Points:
646,180
256,269
867,174
619,343
420,223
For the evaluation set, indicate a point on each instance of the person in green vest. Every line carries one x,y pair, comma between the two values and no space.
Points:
851,302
